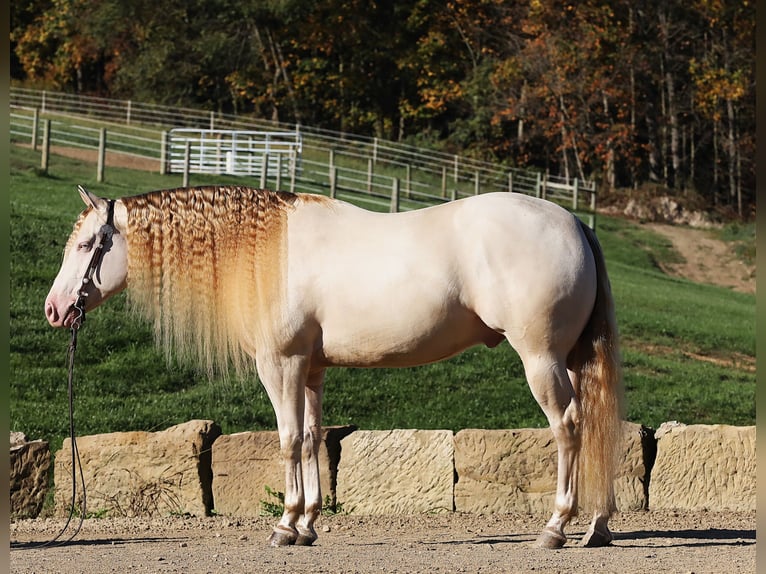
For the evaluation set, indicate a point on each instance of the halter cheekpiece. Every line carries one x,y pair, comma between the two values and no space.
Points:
104,235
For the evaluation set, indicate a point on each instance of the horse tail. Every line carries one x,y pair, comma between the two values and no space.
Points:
596,363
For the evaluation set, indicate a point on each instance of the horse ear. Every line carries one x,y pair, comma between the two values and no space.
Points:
91,199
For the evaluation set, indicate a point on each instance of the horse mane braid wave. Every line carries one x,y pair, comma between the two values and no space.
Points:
206,268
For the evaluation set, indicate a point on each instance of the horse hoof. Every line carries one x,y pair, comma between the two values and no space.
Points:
551,539
597,538
305,539
283,537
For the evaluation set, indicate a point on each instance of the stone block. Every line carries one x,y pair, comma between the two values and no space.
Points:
30,463
397,472
515,470
245,463
704,467
142,473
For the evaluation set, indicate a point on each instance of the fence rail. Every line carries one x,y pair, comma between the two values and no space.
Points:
354,167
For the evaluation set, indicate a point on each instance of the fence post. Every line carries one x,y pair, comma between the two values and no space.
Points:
212,120
46,145
279,172
593,208
264,170
127,119
539,185
35,122
456,169
408,182
395,195
369,175
444,181
333,181
375,150
101,154
293,168
476,184
187,161
42,103
164,153
510,182
574,195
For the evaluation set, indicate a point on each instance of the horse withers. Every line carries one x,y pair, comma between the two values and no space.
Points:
285,285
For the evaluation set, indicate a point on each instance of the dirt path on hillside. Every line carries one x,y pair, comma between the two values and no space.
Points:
706,258
655,542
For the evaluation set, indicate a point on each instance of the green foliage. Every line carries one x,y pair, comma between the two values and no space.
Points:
274,505
689,349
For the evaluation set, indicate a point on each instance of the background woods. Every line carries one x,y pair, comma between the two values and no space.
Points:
656,94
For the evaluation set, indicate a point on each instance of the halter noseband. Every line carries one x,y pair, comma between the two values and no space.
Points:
104,235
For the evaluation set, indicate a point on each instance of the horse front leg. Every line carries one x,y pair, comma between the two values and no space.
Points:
284,379
312,439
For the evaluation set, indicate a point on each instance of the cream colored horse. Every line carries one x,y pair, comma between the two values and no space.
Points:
290,284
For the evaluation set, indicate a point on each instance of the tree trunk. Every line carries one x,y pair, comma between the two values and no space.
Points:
675,160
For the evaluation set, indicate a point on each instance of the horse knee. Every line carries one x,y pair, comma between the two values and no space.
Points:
291,445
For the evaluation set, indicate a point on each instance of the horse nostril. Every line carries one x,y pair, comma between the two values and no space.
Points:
50,312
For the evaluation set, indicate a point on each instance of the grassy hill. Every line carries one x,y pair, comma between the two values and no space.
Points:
688,349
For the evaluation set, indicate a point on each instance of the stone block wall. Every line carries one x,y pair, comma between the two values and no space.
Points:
704,467
190,468
397,472
30,462
142,473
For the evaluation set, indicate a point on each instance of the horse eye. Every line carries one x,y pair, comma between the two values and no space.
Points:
85,245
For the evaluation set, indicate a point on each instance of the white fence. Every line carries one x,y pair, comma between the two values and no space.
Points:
362,169
233,152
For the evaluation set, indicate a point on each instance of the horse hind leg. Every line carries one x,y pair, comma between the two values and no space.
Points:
552,388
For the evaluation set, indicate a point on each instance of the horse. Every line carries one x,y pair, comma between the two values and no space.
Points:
283,286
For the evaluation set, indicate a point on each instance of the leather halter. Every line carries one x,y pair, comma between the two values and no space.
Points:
104,240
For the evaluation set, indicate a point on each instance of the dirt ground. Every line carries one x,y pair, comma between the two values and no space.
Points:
653,542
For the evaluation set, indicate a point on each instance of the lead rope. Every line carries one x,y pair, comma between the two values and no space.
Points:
76,463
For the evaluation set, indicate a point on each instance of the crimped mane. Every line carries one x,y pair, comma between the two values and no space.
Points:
205,267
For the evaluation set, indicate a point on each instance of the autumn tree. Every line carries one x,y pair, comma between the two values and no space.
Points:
658,94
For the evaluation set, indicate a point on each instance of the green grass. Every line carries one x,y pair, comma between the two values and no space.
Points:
688,348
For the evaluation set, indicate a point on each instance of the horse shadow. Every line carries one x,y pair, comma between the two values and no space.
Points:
689,538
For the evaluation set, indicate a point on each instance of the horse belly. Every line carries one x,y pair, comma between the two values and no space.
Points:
402,339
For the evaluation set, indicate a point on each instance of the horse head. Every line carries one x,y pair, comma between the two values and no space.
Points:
95,263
